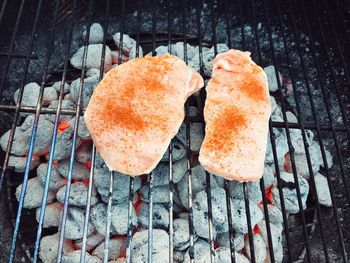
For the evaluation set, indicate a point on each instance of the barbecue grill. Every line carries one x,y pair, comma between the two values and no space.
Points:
305,40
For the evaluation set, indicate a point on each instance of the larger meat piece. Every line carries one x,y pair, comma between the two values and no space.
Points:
236,113
137,109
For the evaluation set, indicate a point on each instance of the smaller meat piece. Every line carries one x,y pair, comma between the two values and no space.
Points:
237,111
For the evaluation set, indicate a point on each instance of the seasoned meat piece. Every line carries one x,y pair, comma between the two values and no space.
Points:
237,111
137,109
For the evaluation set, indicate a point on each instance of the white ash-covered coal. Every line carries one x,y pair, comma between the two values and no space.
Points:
139,218
52,214
48,245
74,257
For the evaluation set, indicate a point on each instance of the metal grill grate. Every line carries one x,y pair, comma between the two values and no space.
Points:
324,230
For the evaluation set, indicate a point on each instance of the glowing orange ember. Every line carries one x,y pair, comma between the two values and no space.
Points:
138,203
88,164
257,229
114,61
86,181
62,126
268,195
123,252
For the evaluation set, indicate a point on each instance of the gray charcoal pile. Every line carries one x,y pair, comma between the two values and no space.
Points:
78,196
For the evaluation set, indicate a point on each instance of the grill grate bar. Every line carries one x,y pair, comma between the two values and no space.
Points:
132,179
342,19
150,177
244,186
189,185
88,205
108,218
169,26
249,223
226,182
170,205
86,219
309,126
208,188
210,217
171,182
112,173
93,154
262,184
35,126
154,24
196,119
290,146
239,3
280,192
130,211
188,147
74,139
309,225
230,222
16,55
150,218
2,10
267,219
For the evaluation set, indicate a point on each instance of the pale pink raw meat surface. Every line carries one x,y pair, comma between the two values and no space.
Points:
237,111
137,109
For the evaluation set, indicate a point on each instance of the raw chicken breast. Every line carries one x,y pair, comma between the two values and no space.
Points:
137,109
236,113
